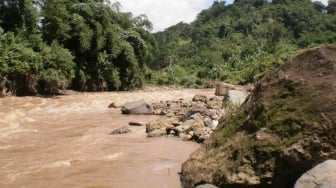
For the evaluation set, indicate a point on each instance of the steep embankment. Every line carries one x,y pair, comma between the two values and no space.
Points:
287,125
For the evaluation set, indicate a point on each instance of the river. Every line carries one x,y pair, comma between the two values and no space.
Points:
64,142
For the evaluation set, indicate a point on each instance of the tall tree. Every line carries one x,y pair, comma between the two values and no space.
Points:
16,15
109,46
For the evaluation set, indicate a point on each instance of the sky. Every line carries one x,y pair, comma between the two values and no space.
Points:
167,13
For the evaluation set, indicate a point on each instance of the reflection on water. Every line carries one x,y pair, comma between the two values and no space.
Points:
65,142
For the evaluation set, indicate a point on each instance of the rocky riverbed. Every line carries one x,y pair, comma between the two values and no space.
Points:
190,120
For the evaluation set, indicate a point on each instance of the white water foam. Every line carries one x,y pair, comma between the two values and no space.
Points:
112,157
11,123
59,164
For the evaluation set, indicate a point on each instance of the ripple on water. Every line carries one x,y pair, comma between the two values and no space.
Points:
58,164
74,142
11,123
112,157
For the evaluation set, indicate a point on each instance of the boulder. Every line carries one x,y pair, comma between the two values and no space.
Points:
201,109
200,134
214,114
286,126
122,130
160,105
184,127
196,116
185,137
208,122
214,103
209,84
322,175
221,89
137,107
159,127
173,104
236,97
200,98
189,125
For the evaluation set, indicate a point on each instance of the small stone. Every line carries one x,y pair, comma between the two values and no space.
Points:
207,122
122,130
134,123
182,135
200,98
196,116
187,138
175,123
157,133
114,105
214,123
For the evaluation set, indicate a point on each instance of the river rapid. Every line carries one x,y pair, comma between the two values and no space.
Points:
64,142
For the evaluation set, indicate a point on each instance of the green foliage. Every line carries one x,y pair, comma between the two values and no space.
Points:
240,42
58,69
111,49
89,44
24,69
17,15
19,65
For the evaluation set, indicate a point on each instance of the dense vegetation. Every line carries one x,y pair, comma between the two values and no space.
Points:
240,42
87,45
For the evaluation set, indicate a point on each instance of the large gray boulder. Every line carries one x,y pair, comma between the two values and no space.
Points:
137,107
322,176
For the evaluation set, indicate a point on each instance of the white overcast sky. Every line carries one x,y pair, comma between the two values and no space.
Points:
167,13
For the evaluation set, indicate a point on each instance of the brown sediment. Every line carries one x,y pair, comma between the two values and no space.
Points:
65,142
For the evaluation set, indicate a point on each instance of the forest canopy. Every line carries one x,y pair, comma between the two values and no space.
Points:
239,42
87,45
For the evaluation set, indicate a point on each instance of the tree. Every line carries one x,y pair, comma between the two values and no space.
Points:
17,15
331,8
57,69
19,65
103,41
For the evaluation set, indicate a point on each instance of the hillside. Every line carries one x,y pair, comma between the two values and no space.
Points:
89,45
285,127
242,41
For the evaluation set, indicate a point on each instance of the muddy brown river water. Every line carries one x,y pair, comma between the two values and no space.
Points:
64,142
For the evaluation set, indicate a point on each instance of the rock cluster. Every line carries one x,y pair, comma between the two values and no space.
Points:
190,120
